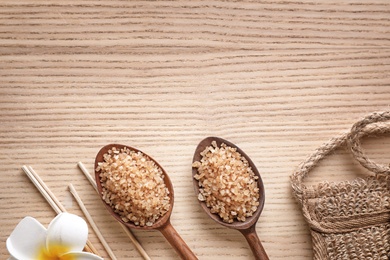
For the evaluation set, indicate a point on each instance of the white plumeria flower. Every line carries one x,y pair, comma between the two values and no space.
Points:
64,239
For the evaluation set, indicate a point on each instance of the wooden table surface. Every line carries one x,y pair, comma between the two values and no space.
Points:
276,78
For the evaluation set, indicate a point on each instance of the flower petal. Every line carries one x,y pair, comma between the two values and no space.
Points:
81,256
26,239
67,232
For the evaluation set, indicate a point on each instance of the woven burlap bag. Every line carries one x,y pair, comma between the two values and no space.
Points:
349,219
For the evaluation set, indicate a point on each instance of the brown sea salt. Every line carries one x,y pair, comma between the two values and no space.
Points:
133,185
227,183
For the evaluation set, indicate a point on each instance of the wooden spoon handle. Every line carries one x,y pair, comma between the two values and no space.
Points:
177,242
255,243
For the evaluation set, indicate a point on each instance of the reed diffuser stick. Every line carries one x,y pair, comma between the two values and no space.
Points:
91,221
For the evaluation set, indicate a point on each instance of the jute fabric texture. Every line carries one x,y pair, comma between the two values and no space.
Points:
349,219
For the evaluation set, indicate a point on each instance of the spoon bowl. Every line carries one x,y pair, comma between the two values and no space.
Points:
247,227
162,224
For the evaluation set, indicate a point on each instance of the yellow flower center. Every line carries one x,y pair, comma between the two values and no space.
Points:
55,253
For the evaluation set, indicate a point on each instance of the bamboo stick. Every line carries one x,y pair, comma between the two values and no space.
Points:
43,192
91,221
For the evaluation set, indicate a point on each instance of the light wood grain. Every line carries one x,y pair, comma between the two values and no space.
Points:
275,78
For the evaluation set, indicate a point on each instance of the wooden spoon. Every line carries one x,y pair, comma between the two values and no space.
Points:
163,224
247,227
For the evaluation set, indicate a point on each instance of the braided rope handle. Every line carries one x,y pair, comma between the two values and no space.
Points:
363,127
357,131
